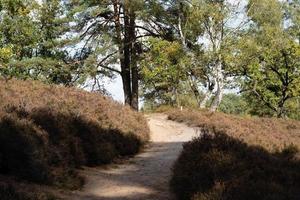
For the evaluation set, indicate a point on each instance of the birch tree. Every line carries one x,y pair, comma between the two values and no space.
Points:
210,26
222,21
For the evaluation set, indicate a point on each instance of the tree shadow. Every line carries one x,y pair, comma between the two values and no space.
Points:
217,166
146,176
47,146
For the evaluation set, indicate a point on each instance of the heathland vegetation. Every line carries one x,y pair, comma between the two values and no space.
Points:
237,158
48,131
164,51
238,57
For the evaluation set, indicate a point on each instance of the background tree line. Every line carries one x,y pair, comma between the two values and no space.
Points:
186,52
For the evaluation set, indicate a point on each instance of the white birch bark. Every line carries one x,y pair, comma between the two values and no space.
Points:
205,99
220,87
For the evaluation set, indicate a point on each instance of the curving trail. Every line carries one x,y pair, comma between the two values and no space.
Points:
146,176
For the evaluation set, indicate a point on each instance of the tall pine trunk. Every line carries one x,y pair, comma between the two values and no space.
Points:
127,50
124,51
134,66
126,71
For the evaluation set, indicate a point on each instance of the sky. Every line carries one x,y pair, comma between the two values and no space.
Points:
114,87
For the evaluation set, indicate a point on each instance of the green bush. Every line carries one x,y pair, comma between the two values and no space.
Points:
219,167
234,104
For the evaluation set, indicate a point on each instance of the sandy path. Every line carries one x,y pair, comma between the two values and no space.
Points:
146,175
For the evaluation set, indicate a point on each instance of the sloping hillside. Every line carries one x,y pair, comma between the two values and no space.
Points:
237,158
271,133
47,131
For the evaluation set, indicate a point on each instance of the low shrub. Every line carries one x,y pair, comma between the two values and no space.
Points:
47,132
219,167
23,149
271,133
10,191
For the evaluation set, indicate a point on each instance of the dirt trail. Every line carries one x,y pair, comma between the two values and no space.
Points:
145,176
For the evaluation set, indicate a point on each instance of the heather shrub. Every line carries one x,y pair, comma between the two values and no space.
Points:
47,132
9,191
216,166
271,133
94,107
86,141
23,149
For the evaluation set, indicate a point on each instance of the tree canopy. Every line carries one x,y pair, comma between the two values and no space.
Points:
162,50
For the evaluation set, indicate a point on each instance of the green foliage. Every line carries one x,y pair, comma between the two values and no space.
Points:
31,41
234,104
265,12
268,59
293,108
276,78
18,31
292,12
163,71
180,49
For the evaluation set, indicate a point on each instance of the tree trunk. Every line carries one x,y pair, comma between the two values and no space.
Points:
194,89
207,96
134,66
220,86
281,110
217,99
124,52
204,101
135,86
126,70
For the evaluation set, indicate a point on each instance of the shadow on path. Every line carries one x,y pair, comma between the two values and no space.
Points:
144,177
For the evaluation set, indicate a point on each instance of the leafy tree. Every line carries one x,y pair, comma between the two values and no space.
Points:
269,59
163,72
173,50
110,31
53,25
31,38
207,32
274,77
18,31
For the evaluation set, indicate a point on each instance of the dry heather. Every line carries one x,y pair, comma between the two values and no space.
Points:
219,167
100,109
271,133
13,190
238,158
48,131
